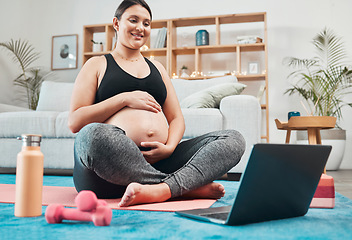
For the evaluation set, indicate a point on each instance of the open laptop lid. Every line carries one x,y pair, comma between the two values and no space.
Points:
279,182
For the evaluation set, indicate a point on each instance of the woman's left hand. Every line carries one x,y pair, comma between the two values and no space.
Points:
158,151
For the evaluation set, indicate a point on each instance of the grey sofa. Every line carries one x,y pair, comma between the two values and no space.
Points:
240,112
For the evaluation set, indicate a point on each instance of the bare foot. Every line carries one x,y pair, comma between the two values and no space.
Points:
212,190
138,193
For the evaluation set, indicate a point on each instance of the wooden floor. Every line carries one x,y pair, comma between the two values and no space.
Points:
343,181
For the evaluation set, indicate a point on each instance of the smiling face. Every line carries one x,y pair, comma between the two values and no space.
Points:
133,29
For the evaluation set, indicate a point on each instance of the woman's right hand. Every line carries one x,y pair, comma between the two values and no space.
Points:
141,100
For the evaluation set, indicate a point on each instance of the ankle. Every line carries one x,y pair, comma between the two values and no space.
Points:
163,191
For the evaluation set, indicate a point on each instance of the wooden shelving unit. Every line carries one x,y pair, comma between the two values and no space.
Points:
171,52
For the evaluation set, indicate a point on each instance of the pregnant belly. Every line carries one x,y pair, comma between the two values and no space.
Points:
141,125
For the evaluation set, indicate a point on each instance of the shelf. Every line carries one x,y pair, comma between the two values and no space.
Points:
251,77
96,28
224,19
205,49
201,77
219,48
239,77
159,24
252,47
243,18
154,52
194,21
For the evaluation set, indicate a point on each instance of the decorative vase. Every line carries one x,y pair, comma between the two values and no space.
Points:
334,137
202,38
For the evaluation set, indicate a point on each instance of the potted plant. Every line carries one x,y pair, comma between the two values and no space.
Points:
183,72
323,81
97,46
31,78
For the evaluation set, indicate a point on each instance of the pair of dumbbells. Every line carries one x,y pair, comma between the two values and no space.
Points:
89,209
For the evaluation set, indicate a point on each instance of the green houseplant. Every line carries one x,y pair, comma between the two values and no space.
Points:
323,82
30,78
183,71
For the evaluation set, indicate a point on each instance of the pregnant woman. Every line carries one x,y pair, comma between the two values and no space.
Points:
129,126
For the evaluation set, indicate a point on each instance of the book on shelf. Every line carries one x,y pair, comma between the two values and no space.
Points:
160,41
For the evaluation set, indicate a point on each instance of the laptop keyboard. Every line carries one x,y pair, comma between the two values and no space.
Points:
221,216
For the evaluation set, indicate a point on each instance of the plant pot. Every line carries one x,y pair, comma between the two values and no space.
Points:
334,137
97,47
183,73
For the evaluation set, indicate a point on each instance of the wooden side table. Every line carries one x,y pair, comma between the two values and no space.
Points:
312,124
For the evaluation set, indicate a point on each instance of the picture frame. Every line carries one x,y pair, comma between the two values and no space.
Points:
253,68
64,52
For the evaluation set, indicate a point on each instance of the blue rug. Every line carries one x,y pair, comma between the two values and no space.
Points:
317,224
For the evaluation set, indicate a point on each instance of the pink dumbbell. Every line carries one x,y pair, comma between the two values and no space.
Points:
55,213
90,208
87,201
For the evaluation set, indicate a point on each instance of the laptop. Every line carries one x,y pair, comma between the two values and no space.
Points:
279,182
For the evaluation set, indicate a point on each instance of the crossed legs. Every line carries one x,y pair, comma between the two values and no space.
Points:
188,172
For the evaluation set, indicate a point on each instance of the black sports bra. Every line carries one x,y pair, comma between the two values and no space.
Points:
116,81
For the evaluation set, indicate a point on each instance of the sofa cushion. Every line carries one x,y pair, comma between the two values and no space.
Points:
184,88
201,120
55,96
13,124
12,108
211,97
62,130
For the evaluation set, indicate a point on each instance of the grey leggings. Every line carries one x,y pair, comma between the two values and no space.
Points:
106,161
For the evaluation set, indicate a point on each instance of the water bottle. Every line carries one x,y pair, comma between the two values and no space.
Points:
29,177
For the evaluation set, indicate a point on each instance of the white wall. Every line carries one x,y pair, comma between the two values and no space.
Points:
291,26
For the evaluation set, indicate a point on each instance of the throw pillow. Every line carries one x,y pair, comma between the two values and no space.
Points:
211,97
185,88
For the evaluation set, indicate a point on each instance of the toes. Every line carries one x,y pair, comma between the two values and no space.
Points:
124,201
128,196
220,191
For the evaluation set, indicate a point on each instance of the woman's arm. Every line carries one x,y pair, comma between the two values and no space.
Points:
83,110
173,114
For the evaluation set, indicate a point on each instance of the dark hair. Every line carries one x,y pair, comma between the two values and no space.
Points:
129,3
